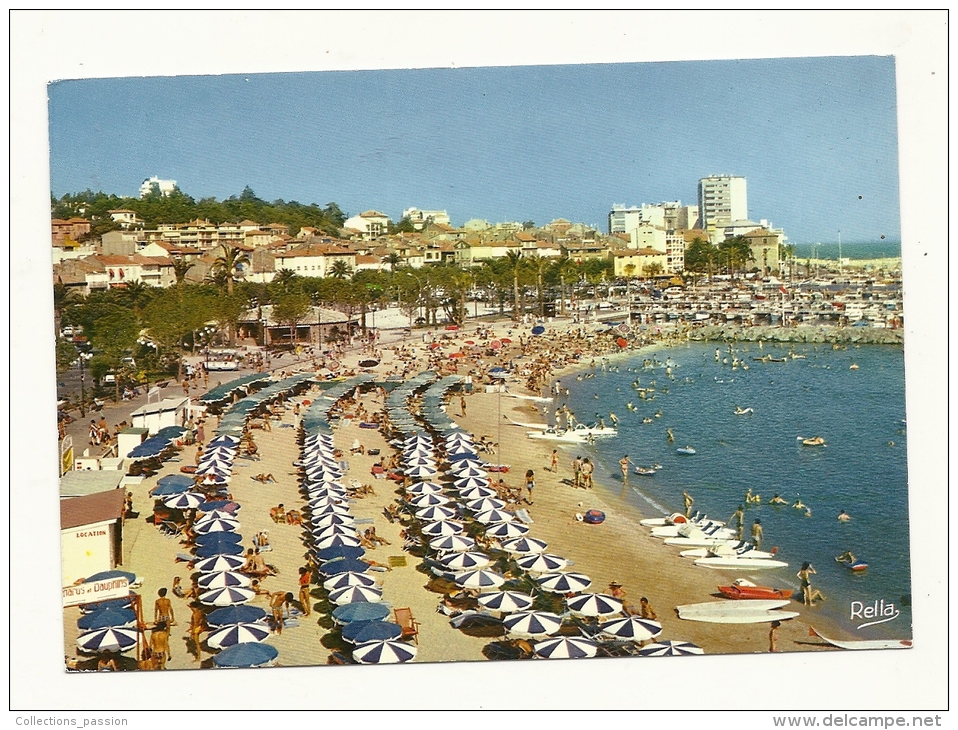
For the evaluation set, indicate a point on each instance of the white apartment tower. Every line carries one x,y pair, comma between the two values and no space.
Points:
722,199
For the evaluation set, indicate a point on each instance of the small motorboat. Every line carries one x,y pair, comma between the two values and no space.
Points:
645,471
743,589
687,450
743,411
813,441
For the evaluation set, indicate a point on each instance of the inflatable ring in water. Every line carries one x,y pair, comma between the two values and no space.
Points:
594,517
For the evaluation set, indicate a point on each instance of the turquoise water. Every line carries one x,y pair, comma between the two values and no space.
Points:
862,470
874,250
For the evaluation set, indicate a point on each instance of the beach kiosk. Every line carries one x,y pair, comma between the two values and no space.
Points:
91,534
167,412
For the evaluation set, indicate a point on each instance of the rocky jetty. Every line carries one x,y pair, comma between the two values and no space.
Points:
800,334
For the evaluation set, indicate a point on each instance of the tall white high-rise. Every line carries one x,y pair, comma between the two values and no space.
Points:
722,199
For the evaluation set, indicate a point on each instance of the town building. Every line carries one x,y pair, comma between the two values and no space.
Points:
641,262
368,225
722,199
315,260
419,218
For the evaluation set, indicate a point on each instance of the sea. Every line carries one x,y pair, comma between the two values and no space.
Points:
694,390
849,250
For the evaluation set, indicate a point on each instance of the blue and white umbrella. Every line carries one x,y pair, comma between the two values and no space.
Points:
219,548
107,618
428,500
443,528
344,580
505,601
566,647
340,508
356,594
467,482
413,461
631,628
184,500
219,525
492,516
215,514
524,545
223,579
112,639
475,497
452,543
230,596
424,488
670,648
220,504
437,512
507,529
479,579
461,448
246,655
247,633
219,563
330,530
329,520
318,503
336,540
384,652
465,561
360,612
225,440
542,563
466,471
564,582
418,472
532,624
361,632
232,615
594,605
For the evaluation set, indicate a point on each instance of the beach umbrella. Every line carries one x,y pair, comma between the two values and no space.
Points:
356,594
332,567
420,471
219,563
224,440
361,632
219,538
106,618
468,482
333,519
111,575
538,329
223,579
214,467
247,633
171,484
344,580
219,514
149,449
670,648
337,540
369,363
531,624
184,500
524,545
442,528
594,604
465,561
327,489
330,530
452,543
232,615
505,601
212,480
429,500
542,563
507,529
324,474
246,655
384,652
333,508
437,512
229,596
220,504
479,579
340,552
411,461
566,647
564,582
455,449
218,549
480,499
360,612
465,457
112,639
320,504
491,516
631,628
469,471
216,526
125,602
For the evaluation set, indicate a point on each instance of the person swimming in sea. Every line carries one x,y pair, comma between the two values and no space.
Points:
799,504
777,500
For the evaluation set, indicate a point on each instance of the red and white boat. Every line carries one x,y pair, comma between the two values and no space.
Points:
743,589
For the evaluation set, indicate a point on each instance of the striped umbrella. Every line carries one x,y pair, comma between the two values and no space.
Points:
466,471
566,647
594,604
505,601
524,545
237,634
424,488
333,519
331,508
429,500
465,561
542,563
384,652
417,472
412,461
632,628
564,582
209,581
491,516
216,526
484,503
452,543
479,579
344,580
219,563
356,594
442,528
670,648
107,618
532,624
319,503
230,596
335,540
361,632
185,500
111,639
215,514
467,482
330,530
507,529
437,512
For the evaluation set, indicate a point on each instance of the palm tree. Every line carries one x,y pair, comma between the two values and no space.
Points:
230,264
565,269
340,269
394,260
514,261
180,267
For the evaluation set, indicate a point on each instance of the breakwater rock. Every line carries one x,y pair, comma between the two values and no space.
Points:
800,334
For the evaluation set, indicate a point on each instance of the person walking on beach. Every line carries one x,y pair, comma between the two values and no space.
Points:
197,627
530,484
773,637
160,644
304,581
624,463
809,594
577,472
738,520
688,501
462,405
163,608
586,470
757,534
554,466
278,603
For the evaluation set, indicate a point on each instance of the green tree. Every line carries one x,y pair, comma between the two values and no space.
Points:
735,253
180,267
290,309
115,335
514,263
700,257
230,264
403,226
340,269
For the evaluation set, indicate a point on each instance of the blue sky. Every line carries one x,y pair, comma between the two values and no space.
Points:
815,138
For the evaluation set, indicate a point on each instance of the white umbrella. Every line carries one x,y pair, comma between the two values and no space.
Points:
418,472
331,508
424,488
507,529
185,500
330,530
219,563
491,516
356,594
320,502
542,563
249,633
505,601
524,545
227,596
384,652
111,639
452,543
220,525
428,500
437,512
465,561
532,624
468,471
566,647
467,482
631,628
222,579
333,519
442,528
594,604
479,579
214,514
670,648
482,504
413,461
344,580
564,582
